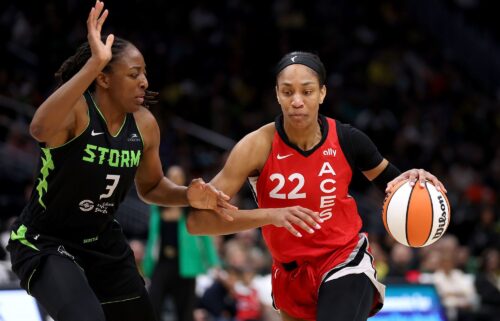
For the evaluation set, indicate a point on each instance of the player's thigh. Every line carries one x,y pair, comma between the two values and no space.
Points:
62,289
348,298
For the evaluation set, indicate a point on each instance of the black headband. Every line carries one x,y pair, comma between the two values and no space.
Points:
303,59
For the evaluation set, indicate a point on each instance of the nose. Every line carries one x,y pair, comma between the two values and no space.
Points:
143,82
297,101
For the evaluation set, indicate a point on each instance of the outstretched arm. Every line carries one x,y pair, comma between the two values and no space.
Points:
246,159
57,114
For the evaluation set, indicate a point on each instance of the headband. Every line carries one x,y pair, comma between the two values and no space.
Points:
303,59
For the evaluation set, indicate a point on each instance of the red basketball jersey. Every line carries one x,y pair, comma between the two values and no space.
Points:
317,179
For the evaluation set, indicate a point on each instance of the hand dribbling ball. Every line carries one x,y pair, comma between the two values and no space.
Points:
416,216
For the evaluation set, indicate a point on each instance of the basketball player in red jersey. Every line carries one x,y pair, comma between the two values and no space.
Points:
300,168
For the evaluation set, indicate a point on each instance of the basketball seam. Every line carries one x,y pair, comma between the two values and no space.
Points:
449,211
432,214
407,214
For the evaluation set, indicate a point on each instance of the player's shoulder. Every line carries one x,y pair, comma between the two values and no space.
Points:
148,126
144,115
266,131
261,137
145,120
256,143
253,149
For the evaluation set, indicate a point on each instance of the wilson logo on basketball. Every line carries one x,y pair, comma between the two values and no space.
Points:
442,219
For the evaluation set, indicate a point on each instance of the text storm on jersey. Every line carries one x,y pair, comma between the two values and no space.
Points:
113,157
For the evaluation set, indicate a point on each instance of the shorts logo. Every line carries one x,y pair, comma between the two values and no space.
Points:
86,205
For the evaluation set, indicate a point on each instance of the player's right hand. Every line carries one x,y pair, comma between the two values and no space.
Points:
296,216
101,52
203,195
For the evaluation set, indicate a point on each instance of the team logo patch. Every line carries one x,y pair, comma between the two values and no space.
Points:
330,152
86,205
133,138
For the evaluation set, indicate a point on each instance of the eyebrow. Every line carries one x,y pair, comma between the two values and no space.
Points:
305,83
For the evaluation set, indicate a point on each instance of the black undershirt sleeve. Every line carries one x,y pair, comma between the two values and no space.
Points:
358,148
361,153
387,175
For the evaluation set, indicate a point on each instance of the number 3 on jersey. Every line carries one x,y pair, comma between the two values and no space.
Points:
294,193
110,187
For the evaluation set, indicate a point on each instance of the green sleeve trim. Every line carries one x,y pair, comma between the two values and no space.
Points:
43,185
20,236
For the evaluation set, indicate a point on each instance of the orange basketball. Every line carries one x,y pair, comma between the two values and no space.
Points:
416,216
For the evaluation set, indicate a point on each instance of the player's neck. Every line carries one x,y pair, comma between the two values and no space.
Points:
113,116
304,138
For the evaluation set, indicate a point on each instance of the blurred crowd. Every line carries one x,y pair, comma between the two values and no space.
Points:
478,13
212,63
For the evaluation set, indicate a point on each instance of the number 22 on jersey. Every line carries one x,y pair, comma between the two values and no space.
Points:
295,193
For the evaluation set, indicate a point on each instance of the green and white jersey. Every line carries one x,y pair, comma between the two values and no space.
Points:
80,184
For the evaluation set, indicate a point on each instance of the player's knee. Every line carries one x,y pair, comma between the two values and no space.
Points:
80,311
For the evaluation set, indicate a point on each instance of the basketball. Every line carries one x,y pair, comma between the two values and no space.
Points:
416,216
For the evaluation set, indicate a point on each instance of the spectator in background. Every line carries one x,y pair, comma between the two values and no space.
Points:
174,257
455,288
259,257
17,166
232,295
487,284
381,262
486,232
401,263
430,256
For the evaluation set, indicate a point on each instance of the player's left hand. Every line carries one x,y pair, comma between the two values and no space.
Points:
414,175
204,196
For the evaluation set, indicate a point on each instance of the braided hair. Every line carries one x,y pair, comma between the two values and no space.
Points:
76,62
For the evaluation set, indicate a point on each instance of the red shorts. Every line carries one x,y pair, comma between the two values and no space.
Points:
295,290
